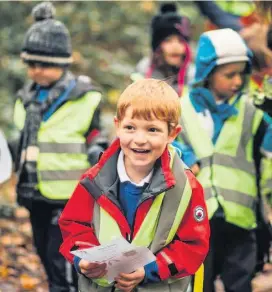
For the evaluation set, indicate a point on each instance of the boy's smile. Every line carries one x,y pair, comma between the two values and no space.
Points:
143,142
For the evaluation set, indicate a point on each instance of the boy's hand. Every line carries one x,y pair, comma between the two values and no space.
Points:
92,270
195,169
127,282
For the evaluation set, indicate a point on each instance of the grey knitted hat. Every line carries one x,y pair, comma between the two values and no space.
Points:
48,40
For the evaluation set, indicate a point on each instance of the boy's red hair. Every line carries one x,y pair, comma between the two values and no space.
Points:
150,99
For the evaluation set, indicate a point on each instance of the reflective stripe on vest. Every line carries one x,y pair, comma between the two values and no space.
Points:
47,147
159,226
62,154
266,180
227,168
239,8
19,115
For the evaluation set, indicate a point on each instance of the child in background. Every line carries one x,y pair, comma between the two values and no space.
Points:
171,52
225,136
57,114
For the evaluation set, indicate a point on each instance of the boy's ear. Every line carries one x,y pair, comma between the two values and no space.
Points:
115,121
116,124
174,133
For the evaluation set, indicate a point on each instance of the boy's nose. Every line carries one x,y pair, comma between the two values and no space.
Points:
140,138
238,80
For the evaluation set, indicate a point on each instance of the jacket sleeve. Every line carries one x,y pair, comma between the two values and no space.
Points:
95,126
96,138
76,221
187,153
266,146
184,255
218,16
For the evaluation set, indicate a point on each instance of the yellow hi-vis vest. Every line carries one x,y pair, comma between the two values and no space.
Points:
258,93
227,171
266,180
159,226
62,157
239,8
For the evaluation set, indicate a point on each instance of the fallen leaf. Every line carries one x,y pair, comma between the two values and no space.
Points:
11,240
27,282
4,272
21,213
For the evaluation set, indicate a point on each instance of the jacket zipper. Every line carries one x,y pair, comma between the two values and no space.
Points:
130,236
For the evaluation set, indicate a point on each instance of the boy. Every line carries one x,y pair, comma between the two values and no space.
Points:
139,180
224,136
171,52
58,115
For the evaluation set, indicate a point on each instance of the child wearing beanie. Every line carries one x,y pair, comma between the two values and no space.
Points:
171,53
57,114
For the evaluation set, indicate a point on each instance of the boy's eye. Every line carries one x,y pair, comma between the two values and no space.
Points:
229,76
232,75
153,130
129,127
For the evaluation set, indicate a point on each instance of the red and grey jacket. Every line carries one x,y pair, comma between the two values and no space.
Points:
100,185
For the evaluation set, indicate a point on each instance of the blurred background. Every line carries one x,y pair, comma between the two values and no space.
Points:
108,38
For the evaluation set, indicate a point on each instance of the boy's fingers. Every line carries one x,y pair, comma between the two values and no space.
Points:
128,277
125,287
88,265
103,274
124,283
133,276
195,169
97,273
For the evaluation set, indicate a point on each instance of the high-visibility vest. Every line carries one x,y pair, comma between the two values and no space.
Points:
239,8
62,157
258,93
159,226
227,171
266,179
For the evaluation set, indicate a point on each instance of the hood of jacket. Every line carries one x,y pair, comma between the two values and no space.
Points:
219,47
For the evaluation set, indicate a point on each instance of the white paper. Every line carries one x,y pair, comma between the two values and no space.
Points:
5,160
119,255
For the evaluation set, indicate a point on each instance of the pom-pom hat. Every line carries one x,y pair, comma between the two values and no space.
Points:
48,40
168,22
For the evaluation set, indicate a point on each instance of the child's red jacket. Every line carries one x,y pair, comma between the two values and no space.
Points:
188,249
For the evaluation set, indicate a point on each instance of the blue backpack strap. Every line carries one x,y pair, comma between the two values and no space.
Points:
59,101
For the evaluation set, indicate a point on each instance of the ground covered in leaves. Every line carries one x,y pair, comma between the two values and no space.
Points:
20,267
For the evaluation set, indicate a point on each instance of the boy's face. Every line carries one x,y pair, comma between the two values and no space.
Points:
44,76
142,141
173,50
227,80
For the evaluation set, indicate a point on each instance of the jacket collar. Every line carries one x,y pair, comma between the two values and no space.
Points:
83,85
105,176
